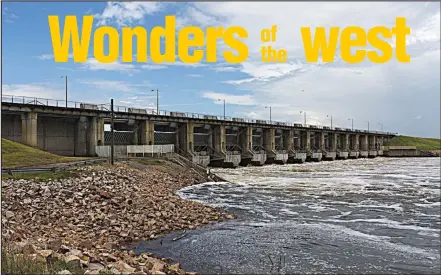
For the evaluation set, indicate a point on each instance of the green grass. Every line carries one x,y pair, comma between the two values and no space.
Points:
16,155
146,161
23,264
419,143
41,176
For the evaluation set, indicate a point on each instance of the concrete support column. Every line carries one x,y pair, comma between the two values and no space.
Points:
186,137
288,140
246,139
333,142
81,143
356,142
210,136
308,141
147,132
220,139
321,144
298,141
380,141
269,139
135,140
373,143
364,143
91,136
345,145
100,131
281,142
29,129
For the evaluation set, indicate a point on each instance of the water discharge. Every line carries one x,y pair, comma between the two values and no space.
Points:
357,216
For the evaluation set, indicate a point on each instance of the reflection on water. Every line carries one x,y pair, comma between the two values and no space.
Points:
368,215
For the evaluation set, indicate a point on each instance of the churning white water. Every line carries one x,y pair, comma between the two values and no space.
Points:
368,215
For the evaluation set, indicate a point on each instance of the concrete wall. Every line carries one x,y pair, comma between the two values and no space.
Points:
11,127
56,135
65,136
401,153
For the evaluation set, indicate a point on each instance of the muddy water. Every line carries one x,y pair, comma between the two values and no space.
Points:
368,215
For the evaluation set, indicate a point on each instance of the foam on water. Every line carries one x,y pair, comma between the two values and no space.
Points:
390,206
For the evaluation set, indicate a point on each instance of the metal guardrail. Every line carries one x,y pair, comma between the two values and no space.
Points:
124,109
104,151
56,168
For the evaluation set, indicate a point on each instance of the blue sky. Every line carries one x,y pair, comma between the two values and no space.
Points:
404,97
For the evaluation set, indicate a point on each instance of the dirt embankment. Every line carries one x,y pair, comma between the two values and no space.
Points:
87,219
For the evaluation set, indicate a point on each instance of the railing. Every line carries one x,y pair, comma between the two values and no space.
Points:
126,150
183,153
209,150
124,109
54,168
234,148
258,149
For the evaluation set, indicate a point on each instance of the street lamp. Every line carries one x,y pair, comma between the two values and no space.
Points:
157,101
331,119
224,106
381,126
368,124
352,123
304,117
269,110
65,76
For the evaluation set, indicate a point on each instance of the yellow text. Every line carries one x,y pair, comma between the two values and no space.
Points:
147,45
361,39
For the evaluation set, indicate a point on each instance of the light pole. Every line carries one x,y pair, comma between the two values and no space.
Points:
224,106
269,110
65,76
368,124
157,101
304,115
381,126
112,125
352,123
331,119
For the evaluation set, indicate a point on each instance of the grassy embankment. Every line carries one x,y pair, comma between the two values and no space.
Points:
16,155
426,144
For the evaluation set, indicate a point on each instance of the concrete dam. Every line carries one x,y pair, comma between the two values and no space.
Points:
76,129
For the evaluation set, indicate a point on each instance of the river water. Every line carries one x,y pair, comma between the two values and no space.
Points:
356,216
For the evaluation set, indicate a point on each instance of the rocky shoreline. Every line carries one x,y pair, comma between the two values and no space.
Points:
87,219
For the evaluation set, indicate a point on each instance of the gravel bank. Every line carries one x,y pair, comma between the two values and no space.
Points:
89,218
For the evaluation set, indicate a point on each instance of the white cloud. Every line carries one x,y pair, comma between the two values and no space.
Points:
195,16
363,91
240,81
8,16
153,67
138,95
158,66
194,75
114,85
126,13
50,56
182,64
229,98
94,65
226,69
40,90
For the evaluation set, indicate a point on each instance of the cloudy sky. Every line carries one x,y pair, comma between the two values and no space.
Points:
404,97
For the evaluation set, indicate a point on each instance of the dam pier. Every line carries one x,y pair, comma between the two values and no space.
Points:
78,129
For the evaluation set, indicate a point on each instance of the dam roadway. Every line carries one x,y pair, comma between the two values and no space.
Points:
77,128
